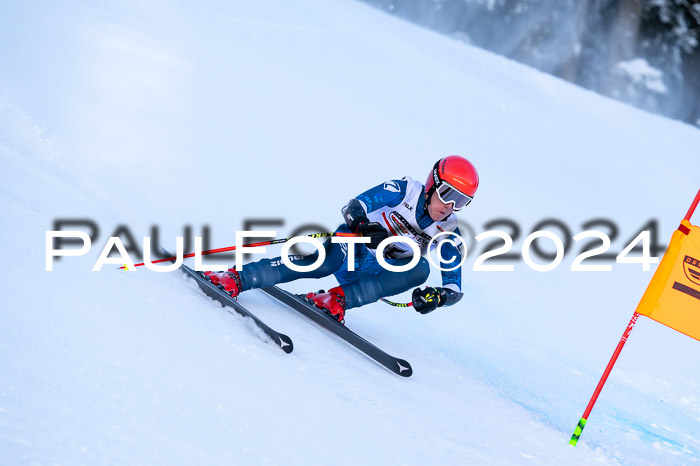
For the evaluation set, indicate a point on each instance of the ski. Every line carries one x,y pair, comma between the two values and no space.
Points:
216,293
298,303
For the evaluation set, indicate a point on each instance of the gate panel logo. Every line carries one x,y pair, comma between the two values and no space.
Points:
691,267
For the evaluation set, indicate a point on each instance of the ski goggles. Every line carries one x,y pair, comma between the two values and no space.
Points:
449,194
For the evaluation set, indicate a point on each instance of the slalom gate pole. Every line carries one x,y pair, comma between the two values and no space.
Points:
250,245
693,206
603,379
582,422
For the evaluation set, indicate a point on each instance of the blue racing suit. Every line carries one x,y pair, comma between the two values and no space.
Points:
400,207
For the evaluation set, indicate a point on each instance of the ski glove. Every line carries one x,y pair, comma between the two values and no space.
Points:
356,218
430,298
374,231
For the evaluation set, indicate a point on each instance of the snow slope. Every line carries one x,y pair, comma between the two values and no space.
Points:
171,115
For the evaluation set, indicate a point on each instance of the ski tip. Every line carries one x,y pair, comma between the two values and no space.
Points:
285,343
404,369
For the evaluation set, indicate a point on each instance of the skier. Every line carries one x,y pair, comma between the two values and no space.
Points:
399,207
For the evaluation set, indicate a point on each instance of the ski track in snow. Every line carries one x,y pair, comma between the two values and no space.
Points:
169,115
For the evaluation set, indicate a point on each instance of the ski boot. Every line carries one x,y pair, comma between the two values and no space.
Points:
332,302
229,281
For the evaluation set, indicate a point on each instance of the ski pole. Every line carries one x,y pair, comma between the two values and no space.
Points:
391,303
250,245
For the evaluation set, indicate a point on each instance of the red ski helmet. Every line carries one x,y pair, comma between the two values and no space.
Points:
455,179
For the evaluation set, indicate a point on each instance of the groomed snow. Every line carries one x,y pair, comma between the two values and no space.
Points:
172,114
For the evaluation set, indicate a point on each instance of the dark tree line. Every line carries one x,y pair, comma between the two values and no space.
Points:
644,52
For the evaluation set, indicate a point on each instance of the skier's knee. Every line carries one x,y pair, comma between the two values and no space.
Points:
419,274
333,261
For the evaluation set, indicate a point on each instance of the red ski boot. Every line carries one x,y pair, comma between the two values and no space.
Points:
332,301
228,281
